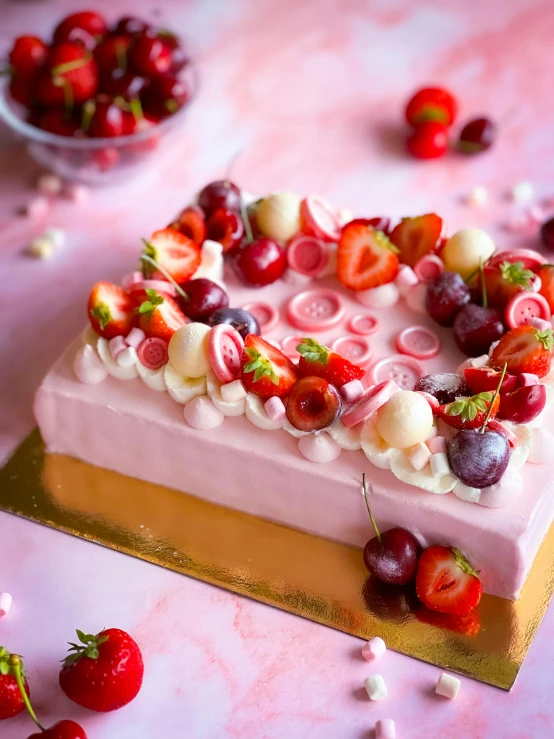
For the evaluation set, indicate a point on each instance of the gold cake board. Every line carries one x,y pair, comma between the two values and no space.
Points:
300,573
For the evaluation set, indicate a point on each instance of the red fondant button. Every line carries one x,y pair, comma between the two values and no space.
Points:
152,353
315,310
401,368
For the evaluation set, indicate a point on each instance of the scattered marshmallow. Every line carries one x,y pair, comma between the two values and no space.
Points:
419,456
37,207
439,464
77,193
275,408
374,649
117,345
128,357
375,687
539,323
415,298
55,235
352,391
135,337
437,445
49,184
405,279
477,196
231,392
448,686
40,248
523,192
5,603
385,729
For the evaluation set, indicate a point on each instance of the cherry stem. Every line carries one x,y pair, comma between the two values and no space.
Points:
15,662
68,67
366,498
471,275
167,276
121,55
483,286
494,397
246,220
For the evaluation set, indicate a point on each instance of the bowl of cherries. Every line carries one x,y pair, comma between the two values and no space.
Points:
97,101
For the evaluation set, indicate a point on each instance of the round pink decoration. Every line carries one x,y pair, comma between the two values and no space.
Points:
354,348
525,306
419,342
363,324
266,315
307,255
152,353
225,347
401,368
315,310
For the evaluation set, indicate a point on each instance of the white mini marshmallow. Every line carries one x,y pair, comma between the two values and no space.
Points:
384,296
128,357
135,337
419,456
345,215
275,408
233,391
5,603
37,207
49,184
117,345
385,729
439,464
296,279
374,649
211,261
448,686
523,192
88,367
477,196
375,687
201,413
320,448
41,248
352,391
539,323
405,279
415,298
55,235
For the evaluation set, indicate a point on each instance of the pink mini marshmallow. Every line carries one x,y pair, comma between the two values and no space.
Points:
49,184
385,728
131,279
536,214
527,379
419,456
275,408
415,298
79,194
437,445
37,207
352,391
429,267
135,337
405,279
433,402
374,649
117,345
5,603
539,323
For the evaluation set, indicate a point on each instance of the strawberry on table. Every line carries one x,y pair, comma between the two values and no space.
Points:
178,255
11,700
524,349
504,280
418,236
470,413
265,370
365,258
318,360
431,104
446,582
104,672
159,315
110,310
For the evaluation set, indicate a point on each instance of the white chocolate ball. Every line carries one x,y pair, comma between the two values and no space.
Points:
405,419
465,249
188,350
278,216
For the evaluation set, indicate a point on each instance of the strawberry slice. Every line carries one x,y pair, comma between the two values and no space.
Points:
483,379
176,253
318,360
265,370
365,258
110,310
159,315
446,582
416,237
546,273
469,413
504,280
524,349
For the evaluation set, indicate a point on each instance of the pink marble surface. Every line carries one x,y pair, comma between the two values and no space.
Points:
310,93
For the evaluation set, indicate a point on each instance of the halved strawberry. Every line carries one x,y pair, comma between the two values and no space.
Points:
524,349
504,280
546,273
416,237
159,315
446,582
110,310
265,370
191,222
365,258
431,104
484,379
318,360
469,413
177,254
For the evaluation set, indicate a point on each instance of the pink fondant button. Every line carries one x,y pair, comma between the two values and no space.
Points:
289,344
401,368
319,219
266,315
354,348
364,324
525,306
152,353
371,401
429,267
315,310
419,342
307,255
225,347
160,286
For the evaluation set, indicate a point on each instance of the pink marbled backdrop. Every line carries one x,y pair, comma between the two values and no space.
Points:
310,92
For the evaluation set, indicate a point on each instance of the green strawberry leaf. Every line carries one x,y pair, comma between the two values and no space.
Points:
546,339
385,243
149,306
313,352
260,365
102,315
467,408
516,274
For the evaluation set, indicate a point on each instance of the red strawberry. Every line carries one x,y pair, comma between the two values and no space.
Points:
27,56
110,310
85,28
431,104
65,729
105,672
70,77
524,349
159,315
446,582
416,237
469,413
365,258
504,280
174,252
428,140
265,370
483,379
191,222
11,701
546,273
320,361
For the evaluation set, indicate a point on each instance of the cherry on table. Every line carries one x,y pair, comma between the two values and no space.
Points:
428,140
241,319
219,194
258,263
477,136
204,297
64,729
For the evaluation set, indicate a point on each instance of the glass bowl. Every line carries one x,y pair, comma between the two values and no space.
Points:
102,161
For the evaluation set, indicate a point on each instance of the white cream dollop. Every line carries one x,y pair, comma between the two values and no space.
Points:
88,367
